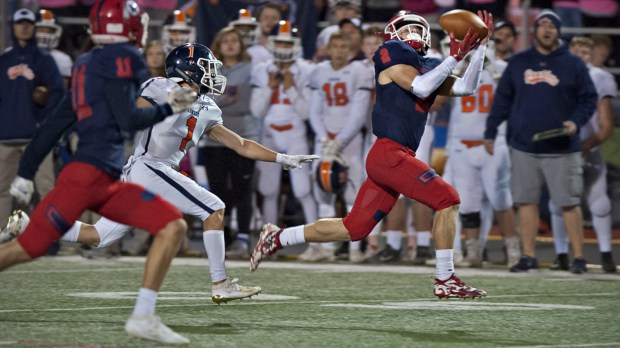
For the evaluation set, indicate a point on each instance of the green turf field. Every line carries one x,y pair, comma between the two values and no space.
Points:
74,302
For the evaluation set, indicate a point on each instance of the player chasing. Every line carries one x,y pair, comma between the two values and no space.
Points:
156,159
407,84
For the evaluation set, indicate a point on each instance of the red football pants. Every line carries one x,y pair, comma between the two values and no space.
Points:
83,187
393,169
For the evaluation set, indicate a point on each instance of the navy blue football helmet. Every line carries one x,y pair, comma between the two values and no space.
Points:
195,64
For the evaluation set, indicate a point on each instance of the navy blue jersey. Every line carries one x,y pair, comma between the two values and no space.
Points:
105,83
398,114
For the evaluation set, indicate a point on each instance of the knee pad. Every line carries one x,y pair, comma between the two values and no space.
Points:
601,206
471,220
360,226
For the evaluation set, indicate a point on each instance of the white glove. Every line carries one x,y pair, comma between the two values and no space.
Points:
294,161
22,189
181,99
330,147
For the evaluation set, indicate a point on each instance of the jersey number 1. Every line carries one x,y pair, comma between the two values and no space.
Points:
191,124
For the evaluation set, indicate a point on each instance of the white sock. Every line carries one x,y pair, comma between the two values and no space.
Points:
445,264
292,236
423,238
458,247
243,238
560,237
215,247
145,303
602,227
394,239
355,245
73,233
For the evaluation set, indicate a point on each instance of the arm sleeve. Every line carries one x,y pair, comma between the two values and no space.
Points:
502,103
54,83
46,136
121,96
587,98
470,82
423,86
315,111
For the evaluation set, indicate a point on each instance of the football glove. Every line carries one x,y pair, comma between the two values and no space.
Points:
330,147
22,189
294,161
459,49
181,99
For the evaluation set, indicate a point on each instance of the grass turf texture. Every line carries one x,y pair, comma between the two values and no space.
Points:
43,304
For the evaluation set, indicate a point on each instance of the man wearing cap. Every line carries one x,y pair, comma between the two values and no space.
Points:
504,37
545,88
24,67
340,9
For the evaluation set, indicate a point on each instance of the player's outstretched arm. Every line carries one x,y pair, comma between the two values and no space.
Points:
253,150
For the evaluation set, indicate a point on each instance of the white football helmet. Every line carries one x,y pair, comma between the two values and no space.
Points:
47,32
247,26
177,33
285,46
410,29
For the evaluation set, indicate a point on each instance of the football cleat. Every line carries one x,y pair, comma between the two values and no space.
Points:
230,290
579,266
423,254
453,287
560,263
525,264
608,263
238,250
267,245
387,255
151,328
18,221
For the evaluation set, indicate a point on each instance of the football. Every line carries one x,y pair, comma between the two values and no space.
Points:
39,96
458,21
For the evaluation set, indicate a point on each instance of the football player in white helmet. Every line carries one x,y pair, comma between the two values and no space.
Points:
48,33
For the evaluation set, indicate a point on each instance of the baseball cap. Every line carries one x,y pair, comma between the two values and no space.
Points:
24,14
506,24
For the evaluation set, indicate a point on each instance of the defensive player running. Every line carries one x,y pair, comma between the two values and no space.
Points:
407,84
160,149
104,91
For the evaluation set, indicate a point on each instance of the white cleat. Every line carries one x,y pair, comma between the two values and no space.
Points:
151,328
230,290
316,253
18,221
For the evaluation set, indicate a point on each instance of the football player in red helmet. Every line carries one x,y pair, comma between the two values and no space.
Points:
103,109
407,84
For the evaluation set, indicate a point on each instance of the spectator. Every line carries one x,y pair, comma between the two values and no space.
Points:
504,37
569,12
353,28
268,17
155,57
48,35
495,7
340,9
27,67
543,88
230,175
602,48
592,135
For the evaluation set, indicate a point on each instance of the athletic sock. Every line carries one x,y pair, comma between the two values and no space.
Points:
216,252
445,264
73,233
394,239
145,303
423,238
292,236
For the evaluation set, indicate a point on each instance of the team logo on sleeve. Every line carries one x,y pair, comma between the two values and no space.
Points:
532,77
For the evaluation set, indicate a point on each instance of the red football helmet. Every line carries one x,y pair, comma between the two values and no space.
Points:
410,29
113,21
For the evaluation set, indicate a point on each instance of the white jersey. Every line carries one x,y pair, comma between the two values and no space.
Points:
169,140
340,98
259,54
63,61
605,85
469,114
279,106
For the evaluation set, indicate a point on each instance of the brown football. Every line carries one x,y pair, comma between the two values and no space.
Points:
458,21
39,95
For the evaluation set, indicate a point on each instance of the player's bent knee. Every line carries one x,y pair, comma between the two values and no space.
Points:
470,220
448,197
215,221
359,227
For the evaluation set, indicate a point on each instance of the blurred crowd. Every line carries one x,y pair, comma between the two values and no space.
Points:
299,86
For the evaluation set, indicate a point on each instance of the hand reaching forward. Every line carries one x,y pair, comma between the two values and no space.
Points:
294,161
181,99
459,49
487,18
